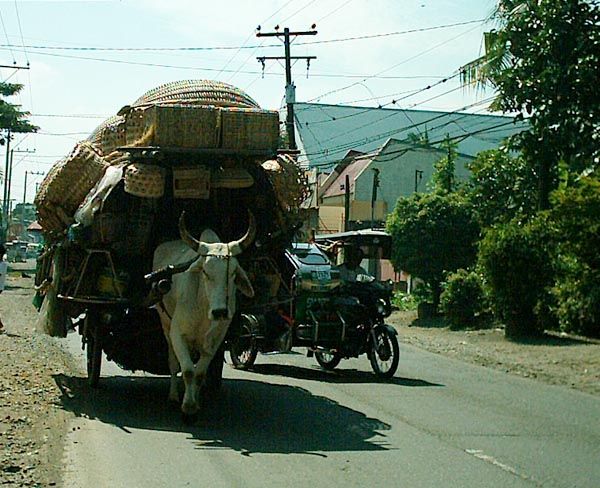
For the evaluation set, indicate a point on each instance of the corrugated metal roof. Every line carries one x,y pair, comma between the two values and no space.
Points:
327,132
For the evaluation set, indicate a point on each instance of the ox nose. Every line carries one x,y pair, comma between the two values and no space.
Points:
219,313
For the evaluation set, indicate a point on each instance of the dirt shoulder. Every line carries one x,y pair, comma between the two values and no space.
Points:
555,359
32,422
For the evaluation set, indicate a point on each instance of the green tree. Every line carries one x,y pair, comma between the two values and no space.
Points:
443,180
543,61
12,118
500,187
433,234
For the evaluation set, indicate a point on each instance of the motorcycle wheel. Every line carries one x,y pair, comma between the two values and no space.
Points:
328,360
93,348
384,353
243,348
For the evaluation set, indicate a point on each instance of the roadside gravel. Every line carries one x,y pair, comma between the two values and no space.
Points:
32,421
33,424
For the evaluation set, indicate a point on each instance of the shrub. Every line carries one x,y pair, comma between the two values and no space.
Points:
463,300
576,214
433,234
516,260
404,301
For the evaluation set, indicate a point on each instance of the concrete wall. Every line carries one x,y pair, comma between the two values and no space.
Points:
397,164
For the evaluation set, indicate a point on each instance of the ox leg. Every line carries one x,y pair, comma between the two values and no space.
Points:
173,369
189,405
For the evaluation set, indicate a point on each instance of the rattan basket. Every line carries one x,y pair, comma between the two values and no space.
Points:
252,129
197,92
109,135
66,185
288,180
174,125
145,180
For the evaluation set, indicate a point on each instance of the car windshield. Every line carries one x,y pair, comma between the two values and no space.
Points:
308,256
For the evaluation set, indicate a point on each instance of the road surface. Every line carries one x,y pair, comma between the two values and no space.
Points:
439,422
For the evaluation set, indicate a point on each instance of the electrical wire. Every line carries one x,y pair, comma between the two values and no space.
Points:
431,143
376,137
7,39
334,11
337,90
235,48
21,31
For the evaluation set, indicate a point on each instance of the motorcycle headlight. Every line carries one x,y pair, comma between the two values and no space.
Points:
381,307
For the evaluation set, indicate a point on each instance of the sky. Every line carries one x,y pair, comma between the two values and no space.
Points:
87,59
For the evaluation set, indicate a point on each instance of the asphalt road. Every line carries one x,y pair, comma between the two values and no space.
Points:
439,422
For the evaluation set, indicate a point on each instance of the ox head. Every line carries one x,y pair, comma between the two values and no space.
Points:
219,270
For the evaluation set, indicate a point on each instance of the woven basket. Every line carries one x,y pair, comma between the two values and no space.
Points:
174,125
249,129
197,92
288,181
145,180
66,185
109,135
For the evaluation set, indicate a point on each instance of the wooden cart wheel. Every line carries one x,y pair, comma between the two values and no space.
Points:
93,348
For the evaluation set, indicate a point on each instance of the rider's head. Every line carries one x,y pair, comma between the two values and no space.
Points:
353,255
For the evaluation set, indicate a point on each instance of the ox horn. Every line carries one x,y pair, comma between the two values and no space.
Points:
238,246
185,235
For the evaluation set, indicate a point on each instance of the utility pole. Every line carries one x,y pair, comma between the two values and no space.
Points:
290,88
8,176
32,173
374,195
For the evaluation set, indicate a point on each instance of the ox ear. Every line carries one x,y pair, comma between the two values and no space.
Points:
242,282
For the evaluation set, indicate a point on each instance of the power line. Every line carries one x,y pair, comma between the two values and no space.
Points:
334,10
7,39
235,48
439,141
376,137
21,32
337,90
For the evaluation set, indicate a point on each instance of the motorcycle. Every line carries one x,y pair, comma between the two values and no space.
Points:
333,321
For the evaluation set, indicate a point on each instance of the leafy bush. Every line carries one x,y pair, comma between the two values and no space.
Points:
433,234
576,214
516,260
404,301
463,300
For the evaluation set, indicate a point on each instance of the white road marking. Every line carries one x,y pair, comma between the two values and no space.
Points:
479,454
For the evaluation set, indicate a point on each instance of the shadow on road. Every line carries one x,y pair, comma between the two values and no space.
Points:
247,416
338,375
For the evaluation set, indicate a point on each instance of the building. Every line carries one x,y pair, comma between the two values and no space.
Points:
373,156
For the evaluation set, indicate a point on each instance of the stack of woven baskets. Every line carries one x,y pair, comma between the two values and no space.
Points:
191,113
66,185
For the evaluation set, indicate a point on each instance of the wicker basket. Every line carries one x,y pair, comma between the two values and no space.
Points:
109,135
197,92
174,125
249,129
145,180
288,180
66,185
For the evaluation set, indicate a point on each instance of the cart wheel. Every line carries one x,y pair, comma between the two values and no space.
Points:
243,348
328,360
384,353
93,348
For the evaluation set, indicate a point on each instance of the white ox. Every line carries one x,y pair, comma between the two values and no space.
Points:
197,311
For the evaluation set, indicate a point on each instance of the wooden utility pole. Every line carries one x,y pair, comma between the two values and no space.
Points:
33,173
290,88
